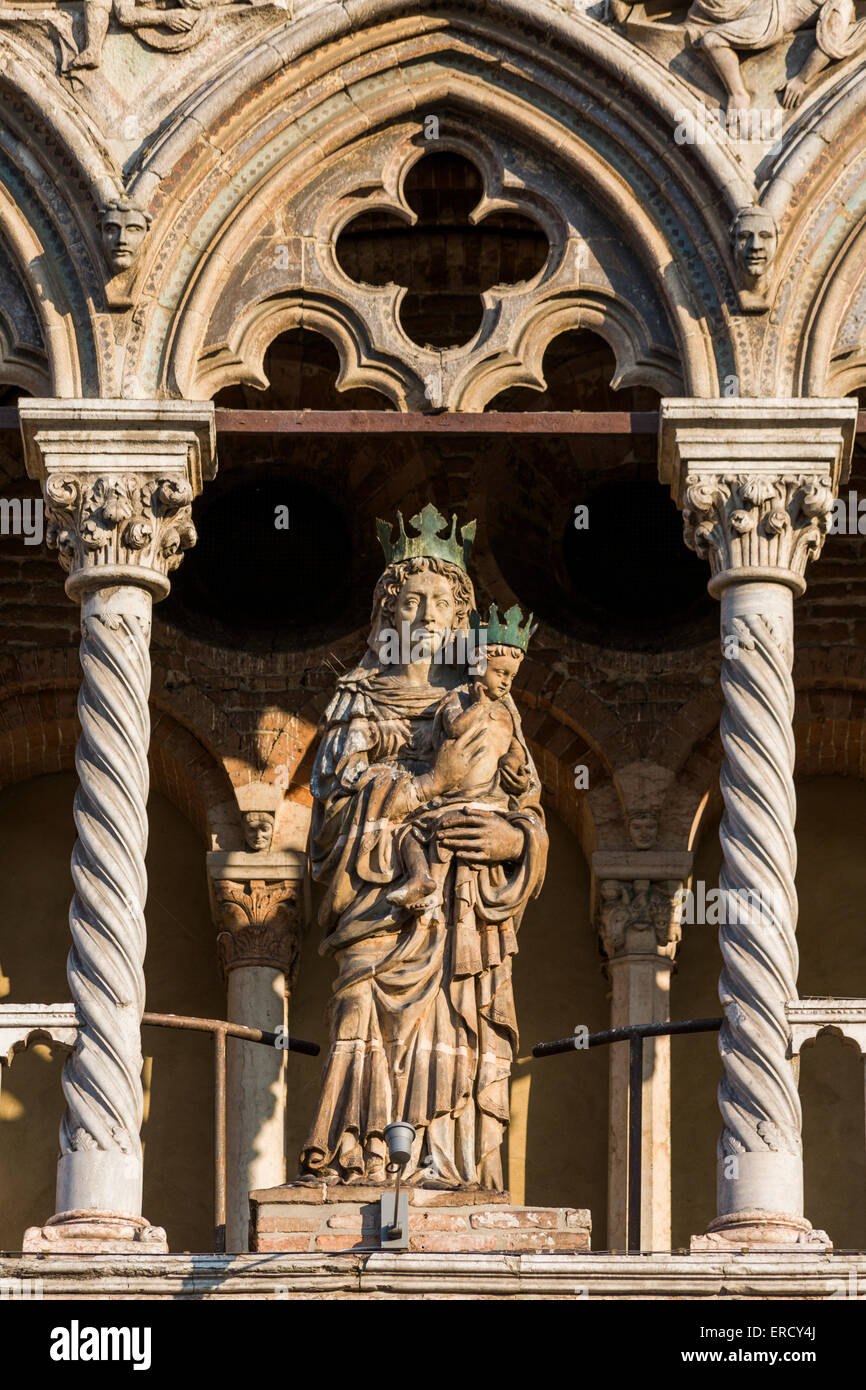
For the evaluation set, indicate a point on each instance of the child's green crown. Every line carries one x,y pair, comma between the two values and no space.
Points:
497,632
429,523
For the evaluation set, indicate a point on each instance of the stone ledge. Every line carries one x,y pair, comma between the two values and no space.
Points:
405,1275
342,1192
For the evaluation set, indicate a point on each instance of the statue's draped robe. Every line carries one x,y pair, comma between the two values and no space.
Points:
759,24
423,1025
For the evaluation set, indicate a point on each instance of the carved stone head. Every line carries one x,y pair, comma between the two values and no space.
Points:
754,239
258,830
124,227
643,827
258,803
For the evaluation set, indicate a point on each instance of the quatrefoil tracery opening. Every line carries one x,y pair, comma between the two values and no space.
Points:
446,259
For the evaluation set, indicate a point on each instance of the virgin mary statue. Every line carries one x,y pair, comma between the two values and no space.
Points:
423,1025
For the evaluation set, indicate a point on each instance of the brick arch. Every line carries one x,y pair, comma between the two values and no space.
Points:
830,733
842,666
38,733
673,744
829,737
39,730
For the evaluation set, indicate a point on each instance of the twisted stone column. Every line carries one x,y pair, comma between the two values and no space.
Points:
102,1077
756,481
118,479
758,1094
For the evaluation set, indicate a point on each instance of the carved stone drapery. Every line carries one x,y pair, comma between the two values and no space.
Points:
259,923
117,477
756,481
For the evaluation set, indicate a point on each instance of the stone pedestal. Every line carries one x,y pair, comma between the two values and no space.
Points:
95,1233
320,1219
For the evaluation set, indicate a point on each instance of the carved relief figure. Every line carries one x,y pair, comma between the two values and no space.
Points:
722,28
423,1025
170,29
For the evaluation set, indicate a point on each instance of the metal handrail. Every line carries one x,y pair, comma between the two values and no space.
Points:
634,1035
220,1030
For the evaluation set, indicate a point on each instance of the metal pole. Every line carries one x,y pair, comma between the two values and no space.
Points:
219,1044
635,1137
231,1030
633,1034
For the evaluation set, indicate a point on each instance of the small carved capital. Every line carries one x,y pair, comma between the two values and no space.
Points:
748,522
131,522
119,479
259,923
755,480
640,917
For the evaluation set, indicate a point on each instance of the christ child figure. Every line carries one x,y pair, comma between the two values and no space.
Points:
497,768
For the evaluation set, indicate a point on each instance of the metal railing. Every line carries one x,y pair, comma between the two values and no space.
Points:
634,1035
220,1030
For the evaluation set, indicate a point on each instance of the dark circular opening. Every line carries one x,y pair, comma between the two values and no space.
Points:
271,567
634,580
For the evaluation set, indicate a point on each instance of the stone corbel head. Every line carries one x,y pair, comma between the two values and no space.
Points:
259,803
754,241
643,828
124,225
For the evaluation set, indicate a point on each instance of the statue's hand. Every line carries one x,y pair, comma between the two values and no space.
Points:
485,838
177,21
456,757
793,93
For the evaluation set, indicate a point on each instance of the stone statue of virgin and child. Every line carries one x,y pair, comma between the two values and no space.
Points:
429,837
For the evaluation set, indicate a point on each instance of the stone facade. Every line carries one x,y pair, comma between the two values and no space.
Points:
464,209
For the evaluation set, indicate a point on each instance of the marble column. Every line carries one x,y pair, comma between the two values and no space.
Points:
259,903
756,481
638,897
118,479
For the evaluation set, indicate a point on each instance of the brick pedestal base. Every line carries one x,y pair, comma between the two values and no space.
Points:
323,1218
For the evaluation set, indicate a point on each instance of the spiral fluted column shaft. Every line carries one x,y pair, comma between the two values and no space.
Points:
760,1165
99,1136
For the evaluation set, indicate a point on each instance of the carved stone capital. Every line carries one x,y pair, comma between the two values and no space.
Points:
119,478
259,923
755,480
639,917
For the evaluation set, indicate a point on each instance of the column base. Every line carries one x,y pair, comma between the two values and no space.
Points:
95,1233
772,1231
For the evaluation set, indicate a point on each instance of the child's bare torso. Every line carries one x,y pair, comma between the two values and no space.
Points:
459,712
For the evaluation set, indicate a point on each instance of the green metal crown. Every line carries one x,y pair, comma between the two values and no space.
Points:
428,523
497,632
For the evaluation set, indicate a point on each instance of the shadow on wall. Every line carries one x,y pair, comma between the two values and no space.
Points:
182,977
831,884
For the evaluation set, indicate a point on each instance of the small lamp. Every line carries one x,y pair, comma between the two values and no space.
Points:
394,1206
